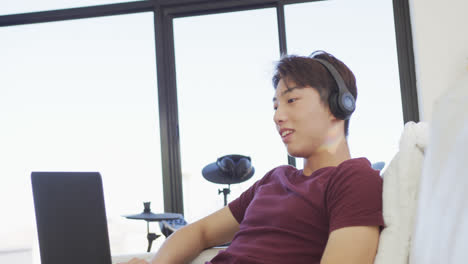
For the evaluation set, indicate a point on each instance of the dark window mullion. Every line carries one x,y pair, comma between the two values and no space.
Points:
283,49
404,41
281,28
76,13
170,145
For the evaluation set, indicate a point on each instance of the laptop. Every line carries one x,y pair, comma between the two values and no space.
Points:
71,218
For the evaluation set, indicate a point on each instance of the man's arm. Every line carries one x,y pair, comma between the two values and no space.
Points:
352,245
186,243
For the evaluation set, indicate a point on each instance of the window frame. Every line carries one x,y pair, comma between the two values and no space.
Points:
164,13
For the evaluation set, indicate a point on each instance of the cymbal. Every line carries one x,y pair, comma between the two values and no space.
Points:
147,215
150,217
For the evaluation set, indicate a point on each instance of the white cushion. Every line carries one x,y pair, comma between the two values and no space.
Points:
400,188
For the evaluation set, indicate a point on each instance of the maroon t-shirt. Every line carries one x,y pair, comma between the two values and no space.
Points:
286,217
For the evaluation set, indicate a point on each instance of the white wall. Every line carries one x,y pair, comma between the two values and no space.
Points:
440,38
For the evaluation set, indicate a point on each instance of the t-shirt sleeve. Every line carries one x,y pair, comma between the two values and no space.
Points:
240,204
354,198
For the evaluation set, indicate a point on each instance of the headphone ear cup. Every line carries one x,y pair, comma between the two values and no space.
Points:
243,168
227,165
347,104
333,103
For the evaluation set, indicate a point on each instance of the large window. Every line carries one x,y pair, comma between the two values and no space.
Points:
224,65
361,33
80,96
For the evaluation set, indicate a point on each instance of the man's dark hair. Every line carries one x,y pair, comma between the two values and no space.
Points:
305,71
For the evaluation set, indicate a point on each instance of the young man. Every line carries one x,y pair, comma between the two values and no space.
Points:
329,213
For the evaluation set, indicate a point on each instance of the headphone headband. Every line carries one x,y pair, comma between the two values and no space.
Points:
338,79
343,104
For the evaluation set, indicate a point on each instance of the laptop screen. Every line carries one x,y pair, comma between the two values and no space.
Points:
71,217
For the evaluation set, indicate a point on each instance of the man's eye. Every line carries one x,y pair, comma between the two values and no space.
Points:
292,100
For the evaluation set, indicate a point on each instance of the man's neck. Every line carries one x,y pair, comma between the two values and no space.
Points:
327,157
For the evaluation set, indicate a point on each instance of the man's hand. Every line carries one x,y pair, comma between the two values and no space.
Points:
135,261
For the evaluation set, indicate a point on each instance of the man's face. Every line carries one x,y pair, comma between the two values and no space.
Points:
305,124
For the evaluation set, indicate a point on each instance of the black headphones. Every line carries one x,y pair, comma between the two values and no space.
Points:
342,102
235,166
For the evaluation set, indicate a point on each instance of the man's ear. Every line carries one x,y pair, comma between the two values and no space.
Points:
335,121
331,116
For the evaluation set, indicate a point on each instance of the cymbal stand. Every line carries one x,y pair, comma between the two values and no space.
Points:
225,192
150,236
